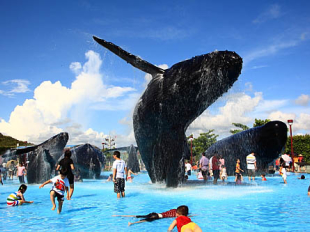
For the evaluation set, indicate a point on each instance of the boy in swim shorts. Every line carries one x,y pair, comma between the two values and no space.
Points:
60,185
17,198
184,223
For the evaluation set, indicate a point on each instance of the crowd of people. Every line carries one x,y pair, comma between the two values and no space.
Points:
10,169
214,168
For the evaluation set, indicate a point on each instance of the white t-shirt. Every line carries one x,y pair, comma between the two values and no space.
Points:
210,163
59,185
250,160
188,166
120,166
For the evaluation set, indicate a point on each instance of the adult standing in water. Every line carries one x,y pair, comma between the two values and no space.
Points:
215,168
251,165
119,170
21,171
204,166
67,164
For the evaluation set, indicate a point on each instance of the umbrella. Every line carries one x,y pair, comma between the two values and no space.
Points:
8,164
286,158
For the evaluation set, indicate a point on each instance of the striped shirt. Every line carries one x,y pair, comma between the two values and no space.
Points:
12,198
250,160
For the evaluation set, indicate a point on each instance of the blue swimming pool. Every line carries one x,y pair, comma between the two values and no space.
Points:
260,206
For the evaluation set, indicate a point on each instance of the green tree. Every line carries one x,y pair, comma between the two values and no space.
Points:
301,145
239,125
202,143
260,122
7,142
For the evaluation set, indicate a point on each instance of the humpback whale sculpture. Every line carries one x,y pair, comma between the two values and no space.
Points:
42,158
174,98
88,160
133,163
266,142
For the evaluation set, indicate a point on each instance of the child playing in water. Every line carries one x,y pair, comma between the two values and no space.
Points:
238,179
17,198
223,173
129,177
184,223
263,177
151,216
60,185
110,178
282,172
302,177
238,171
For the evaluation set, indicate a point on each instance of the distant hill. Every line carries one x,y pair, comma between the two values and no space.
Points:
7,142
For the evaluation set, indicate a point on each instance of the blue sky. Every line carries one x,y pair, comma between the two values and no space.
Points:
54,77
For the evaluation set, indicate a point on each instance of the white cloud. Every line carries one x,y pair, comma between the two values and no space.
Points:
301,122
75,67
249,86
259,66
273,12
269,50
235,110
16,86
303,100
271,105
242,108
56,108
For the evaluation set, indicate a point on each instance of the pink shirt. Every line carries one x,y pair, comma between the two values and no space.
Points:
20,170
222,162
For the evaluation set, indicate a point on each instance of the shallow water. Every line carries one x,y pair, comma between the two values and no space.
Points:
254,206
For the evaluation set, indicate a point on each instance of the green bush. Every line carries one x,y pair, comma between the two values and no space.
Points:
301,145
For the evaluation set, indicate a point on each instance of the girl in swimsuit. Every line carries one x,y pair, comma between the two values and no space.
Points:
129,177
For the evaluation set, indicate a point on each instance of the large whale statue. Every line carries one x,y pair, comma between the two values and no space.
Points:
133,163
173,99
41,158
88,160
265,141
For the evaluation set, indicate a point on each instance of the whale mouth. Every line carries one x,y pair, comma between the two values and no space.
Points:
229,62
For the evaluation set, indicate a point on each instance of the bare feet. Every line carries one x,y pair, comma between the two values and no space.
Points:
58,211
54,207
129,224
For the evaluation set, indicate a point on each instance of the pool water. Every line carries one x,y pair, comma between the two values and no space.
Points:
254,206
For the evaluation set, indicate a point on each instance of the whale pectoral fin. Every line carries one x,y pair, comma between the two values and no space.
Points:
130,58
25,150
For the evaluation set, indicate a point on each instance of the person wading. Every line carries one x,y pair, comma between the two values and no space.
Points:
67,164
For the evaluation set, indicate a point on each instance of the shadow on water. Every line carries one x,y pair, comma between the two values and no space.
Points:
80,209
82,196
132,194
